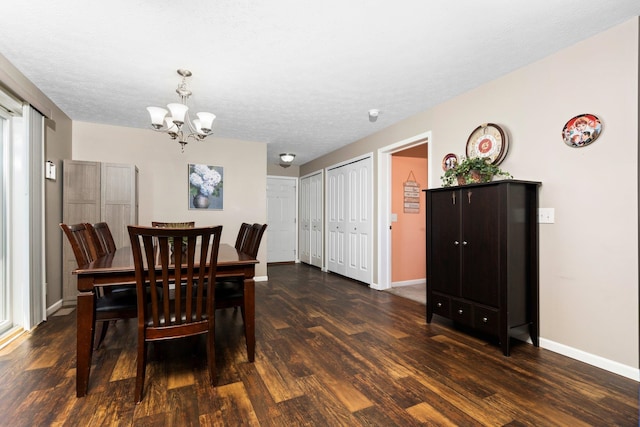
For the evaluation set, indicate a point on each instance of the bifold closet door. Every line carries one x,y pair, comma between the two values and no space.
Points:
349,198
315,219
304,227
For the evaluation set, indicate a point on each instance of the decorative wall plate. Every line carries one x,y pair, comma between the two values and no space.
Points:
488,140
449,161
581,130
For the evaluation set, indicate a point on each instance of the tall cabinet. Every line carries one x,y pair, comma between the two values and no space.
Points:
482,257
95,192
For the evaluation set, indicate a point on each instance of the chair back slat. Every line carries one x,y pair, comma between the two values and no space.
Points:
103,232
172,293
79,237
243,232
252,243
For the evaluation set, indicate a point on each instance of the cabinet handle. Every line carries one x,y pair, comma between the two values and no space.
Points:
485,320
453,198
464,243
460,311
469,193
455,242
439,305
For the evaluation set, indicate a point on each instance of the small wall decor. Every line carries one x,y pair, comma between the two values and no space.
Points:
581,130
50,170
411,195
449,161
205,187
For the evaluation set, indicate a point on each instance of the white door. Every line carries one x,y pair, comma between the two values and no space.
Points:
315,219
335,220
281,219
359,222
304,243
349,210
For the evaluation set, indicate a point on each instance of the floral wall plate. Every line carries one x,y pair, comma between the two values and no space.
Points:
581,130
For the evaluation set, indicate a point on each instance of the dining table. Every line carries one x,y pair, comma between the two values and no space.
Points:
117,269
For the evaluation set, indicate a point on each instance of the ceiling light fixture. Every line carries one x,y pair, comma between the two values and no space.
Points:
286,159
173,124
373,115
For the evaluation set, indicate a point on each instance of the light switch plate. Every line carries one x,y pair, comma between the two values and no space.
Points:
546,215
394,217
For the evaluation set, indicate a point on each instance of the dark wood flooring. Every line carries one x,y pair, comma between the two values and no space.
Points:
330,352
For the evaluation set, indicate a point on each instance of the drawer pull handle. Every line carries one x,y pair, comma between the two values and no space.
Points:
460,311
455,242
485,320
464,243
439,305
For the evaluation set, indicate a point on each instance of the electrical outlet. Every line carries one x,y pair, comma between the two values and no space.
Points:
546,215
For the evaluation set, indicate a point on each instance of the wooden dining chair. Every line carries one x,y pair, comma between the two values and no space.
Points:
109,306
230,291
252,243
80,239
166,311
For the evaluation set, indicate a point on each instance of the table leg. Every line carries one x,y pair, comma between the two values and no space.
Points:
250,317
84,346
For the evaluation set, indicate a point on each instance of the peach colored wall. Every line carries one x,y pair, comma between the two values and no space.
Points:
408,238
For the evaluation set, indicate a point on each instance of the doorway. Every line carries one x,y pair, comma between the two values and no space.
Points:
385,189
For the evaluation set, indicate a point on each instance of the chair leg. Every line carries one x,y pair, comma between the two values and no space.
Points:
103,333
141,367
211,356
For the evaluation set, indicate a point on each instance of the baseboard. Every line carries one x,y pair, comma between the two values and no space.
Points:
54,307
598,361
409,282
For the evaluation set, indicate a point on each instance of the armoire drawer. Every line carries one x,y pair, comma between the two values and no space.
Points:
461,311
486,319
441,305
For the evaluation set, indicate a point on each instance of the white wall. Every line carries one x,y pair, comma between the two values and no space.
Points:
589,257
163,185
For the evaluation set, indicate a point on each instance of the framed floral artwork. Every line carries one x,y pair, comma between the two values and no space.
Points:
206,187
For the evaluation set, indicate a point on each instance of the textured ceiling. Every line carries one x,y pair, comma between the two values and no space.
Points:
298,75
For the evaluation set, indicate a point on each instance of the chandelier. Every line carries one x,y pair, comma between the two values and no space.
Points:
173,121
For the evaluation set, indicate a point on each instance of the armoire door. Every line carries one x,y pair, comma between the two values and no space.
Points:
445,242
119,200
81,199
481,234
